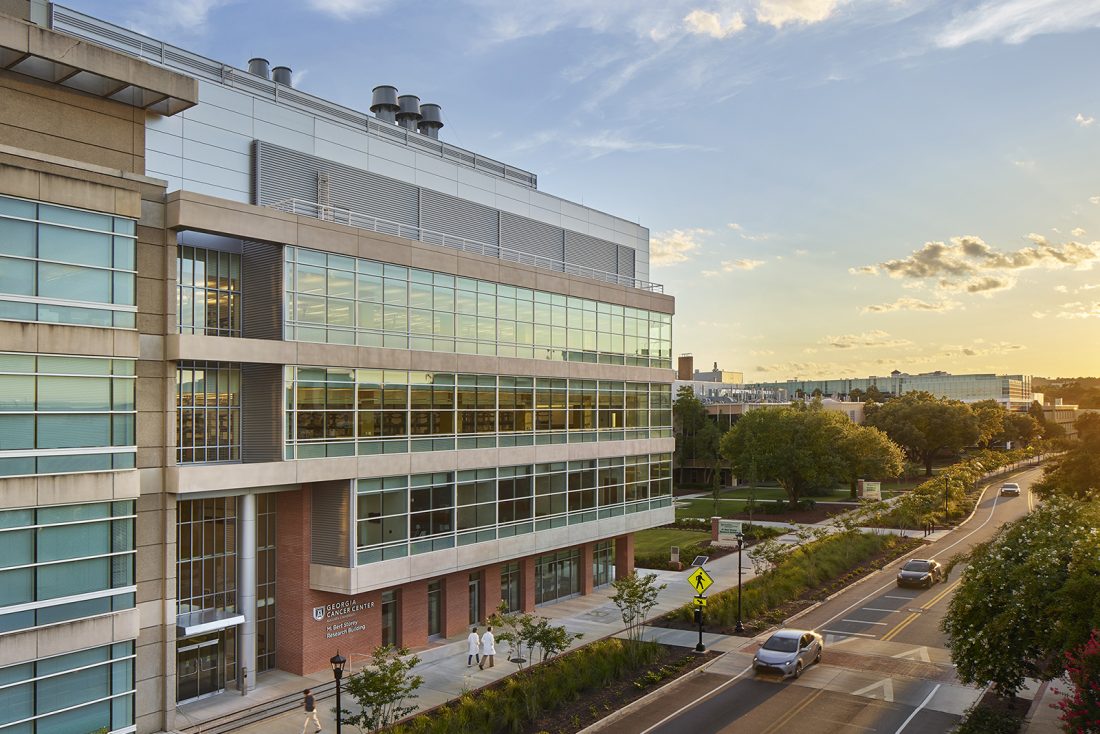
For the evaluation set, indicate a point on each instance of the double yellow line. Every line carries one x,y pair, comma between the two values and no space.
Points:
913,615
777,725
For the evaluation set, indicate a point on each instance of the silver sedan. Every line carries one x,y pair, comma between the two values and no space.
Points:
788,652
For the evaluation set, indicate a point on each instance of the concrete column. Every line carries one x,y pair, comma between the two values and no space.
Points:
246,587
585,569
624,555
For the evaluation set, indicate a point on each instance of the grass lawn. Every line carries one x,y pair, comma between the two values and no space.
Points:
659,540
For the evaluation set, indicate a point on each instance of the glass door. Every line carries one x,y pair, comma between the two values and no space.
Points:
475,598
435,609
200,667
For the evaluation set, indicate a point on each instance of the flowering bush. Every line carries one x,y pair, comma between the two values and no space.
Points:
1081,709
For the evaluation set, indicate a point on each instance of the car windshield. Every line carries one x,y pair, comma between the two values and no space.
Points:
781,644
915,566
1010,486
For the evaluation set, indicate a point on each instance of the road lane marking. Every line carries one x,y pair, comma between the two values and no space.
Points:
921,654
909,620
847,634
682,709
887,686
876,609
905,598
917,709
864,621
777,725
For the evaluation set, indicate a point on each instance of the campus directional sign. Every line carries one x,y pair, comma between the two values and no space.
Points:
700,580
699,601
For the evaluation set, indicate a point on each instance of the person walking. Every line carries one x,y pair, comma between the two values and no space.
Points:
488,648
310,705
473,643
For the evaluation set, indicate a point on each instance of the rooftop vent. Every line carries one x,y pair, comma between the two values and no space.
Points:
384,103
282,75
408,113
431,119
259,67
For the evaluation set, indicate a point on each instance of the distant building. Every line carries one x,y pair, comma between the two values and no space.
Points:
1011,391
1062,414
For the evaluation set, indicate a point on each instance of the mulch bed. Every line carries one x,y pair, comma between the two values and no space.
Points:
596,704
754,627
822,511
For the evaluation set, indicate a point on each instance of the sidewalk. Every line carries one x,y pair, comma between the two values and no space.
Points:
1042,717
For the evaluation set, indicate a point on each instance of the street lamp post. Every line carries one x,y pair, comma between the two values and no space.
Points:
338,662
739,628
946,498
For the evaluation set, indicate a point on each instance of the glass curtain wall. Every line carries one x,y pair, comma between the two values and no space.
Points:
345,300
84,691
208,409
340,412
556,576
266,641
510,586
405,515
66,266
60,415
208,286
603,563
65,562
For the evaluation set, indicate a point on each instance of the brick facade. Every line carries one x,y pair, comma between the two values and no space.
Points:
584,572
456,603
527,584
624,555
490,590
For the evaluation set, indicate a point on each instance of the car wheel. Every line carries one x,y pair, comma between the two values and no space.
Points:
798,669
818,658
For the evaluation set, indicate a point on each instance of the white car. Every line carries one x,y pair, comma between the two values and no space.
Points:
788,652
1010,488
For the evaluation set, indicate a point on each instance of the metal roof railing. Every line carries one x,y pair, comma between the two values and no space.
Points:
339,215
75,23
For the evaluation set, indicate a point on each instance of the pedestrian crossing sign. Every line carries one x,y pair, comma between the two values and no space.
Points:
700,580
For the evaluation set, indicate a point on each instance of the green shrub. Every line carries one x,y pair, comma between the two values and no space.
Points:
985,720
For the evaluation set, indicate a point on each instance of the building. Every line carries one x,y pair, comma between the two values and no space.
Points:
1012,391
281,377
1062,414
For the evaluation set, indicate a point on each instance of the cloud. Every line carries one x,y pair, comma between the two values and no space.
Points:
911,304
778,13
1077,232
172,16
981,349
702,23
1015,21
864,270
1027,165
675,245
745,235
987,284
1061,289
728,266
971,256
761,352
1038,315
1079,310
1084,121
1094,199
345,9
800,252
876,338
1089,287
599,143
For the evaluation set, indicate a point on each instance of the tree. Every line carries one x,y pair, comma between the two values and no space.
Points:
1020,428
794,446
635,596
1027,595
1081,709
1076,473
697,436
529,635
868,453
925,425
1088,426
874,395
991,420
382,688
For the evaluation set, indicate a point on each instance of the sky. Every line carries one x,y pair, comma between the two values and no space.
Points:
834,188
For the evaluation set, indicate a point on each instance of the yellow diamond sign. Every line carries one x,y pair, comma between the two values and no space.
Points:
700,580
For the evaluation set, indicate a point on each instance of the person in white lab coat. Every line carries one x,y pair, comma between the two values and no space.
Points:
488,648
473,643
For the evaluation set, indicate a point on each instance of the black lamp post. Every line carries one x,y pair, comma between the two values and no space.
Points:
739,628
338,661
946,498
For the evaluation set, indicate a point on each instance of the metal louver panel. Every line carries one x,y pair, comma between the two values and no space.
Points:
330,542
287,174
626,261
261,413
590,252
262,310
451,215
532,237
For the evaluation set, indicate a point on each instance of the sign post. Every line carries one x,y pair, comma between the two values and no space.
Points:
700,581
728,530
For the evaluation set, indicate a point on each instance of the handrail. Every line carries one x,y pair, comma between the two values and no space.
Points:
257,712
351,218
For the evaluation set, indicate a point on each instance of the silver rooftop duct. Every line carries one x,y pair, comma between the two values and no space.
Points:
259,67
282,75
408,113
384,102
431,119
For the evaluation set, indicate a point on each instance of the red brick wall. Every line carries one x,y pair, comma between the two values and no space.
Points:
304,643
456,603
527,584
413,614
585,570
490,590
624,555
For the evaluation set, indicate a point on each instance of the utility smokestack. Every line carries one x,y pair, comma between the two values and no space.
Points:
282,75
259,67
408,112
431,119
384,103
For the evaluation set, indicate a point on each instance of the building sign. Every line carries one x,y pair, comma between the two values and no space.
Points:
871,490
339,614
728,530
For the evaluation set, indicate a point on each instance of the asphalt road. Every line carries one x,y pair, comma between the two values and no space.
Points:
885,667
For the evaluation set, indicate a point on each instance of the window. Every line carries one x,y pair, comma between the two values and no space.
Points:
208,409
510,586
266,641
342,300
390,624
206,548
208,288
80,691
65,562
66,266
61,414
603,563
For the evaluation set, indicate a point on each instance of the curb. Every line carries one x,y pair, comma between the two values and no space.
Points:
640,702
